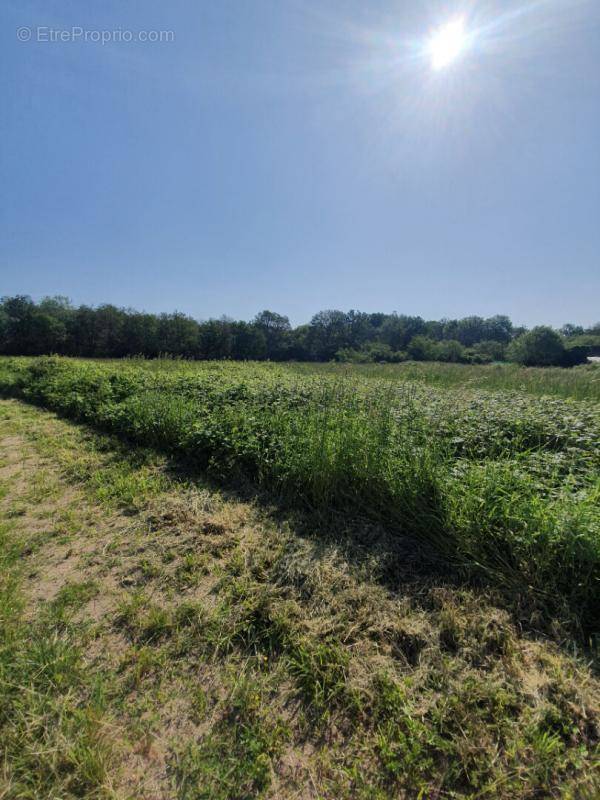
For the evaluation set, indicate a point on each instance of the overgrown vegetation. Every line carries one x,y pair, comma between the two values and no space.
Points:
54,326
504,487
579,383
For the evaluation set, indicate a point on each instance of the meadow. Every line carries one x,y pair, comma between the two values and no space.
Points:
240,580
496,468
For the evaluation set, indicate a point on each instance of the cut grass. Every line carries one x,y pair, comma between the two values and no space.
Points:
52,713
288,665
235,760
505,487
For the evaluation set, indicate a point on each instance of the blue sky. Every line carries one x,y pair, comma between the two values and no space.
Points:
304,155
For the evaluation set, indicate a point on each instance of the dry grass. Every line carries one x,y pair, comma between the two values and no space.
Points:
213,648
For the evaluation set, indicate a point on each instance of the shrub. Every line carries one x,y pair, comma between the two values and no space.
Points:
539,347
577,354
422,348
374,352
489,350
450,350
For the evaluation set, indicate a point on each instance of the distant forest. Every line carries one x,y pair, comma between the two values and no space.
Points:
55,326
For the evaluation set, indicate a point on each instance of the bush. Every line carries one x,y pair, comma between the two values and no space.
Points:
539,347
474,357
489,350
450,350
374,352
422,348
577,354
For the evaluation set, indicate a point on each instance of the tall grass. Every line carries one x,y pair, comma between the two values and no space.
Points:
578,383
504,488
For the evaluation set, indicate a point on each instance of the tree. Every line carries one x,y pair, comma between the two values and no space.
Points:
141,334
3,329
540,347
434,329
216,339
498,329
472,330
249,342
328,333
272,321
568,330
58,306
376,319
359,328
468,331
81,330
17,312
178,335
274,328
398,330
298,346
54,325
47,334
109,324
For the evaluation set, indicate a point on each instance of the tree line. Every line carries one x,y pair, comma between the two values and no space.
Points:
55,326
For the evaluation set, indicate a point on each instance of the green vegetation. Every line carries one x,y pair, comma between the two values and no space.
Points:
544,347
311,655
52,736
504,487
579,383
54,326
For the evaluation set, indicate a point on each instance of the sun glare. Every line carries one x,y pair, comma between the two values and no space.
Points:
447,43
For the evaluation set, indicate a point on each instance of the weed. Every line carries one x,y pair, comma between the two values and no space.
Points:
505,486
235,760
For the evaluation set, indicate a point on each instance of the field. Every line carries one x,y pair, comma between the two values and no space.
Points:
236,580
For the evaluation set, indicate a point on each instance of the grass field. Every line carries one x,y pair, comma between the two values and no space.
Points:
579,383
243,580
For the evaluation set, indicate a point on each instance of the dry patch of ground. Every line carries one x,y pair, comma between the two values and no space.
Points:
212,649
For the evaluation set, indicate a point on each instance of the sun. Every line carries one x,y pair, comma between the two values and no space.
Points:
447,43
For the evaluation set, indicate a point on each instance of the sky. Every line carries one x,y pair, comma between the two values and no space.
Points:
299,156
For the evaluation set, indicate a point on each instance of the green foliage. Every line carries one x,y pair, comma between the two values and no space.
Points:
52,738
54,326
580,383
504,486
540,347
297,663
422,348
591,340
275,330
450,350
235,759
321,673
371,353
489,350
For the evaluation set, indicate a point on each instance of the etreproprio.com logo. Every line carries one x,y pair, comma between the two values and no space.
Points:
76,33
